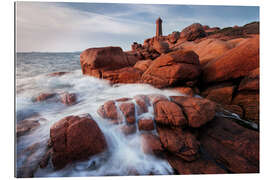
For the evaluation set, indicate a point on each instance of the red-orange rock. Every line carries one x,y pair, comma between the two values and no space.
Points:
146,124
151,144
68,98
183,90
154,98
221,93
199,166
235,63
249,101
108,58
108,110
233,146
128,129
193,32
124,75
180,143
168,69
234,109
44,96
143,102
161,46
174,36
250,82
55,74
198,111
72,141
143,65
128,110
169,113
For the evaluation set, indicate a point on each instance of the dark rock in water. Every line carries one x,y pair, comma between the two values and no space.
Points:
44,96
25,126
28,124
169,113
75,138
55,74
198,111
68,98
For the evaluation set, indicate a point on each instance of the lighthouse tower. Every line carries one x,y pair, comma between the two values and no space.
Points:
158,27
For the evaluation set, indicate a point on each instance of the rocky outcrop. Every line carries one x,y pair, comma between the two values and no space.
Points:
143,65
94,61
235,63
169,113
175,67
75,138
193,32
221,93
251,82
124,75
146,124
231,145
198,111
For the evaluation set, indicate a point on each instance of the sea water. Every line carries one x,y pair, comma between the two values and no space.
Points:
124,152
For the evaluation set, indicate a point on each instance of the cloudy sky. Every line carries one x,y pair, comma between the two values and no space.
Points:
66,27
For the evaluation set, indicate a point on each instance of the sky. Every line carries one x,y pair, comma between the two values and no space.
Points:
69,27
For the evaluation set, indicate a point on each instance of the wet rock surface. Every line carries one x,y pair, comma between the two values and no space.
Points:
75,138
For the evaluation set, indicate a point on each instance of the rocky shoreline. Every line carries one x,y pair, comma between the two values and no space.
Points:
212,129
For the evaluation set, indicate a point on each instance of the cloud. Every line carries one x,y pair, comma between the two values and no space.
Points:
41,24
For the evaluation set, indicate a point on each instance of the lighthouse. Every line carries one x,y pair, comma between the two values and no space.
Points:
158,27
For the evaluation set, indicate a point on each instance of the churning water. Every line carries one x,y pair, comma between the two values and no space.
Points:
124,152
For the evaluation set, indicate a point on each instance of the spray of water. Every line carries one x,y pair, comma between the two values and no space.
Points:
124,155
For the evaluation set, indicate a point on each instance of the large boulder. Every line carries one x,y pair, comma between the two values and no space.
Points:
146,124
75,138
235,63
171,68
231,145
96,60
249,101
123,75
169,113
250,82
221,93
174,37
181,143
193,32
160,46
143,65
198,111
